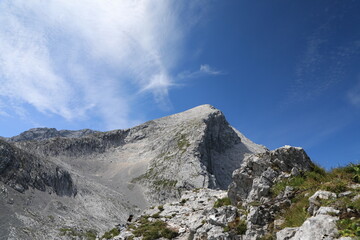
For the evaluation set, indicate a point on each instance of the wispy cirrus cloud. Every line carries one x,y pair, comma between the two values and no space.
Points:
353,95
76,59
327,55
204,70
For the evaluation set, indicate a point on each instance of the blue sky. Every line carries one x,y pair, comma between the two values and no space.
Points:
283,72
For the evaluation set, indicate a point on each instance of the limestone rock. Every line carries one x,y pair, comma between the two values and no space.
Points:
258,172
21,170
314,228
195,217
314,203
253,180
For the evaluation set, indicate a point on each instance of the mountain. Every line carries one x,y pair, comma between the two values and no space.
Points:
115,173
186,176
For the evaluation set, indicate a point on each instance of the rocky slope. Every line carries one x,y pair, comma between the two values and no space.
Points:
117,173
269,192
204,179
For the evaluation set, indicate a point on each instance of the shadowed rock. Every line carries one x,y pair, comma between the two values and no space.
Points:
22,170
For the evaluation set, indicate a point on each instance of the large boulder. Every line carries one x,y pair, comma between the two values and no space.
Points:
321,226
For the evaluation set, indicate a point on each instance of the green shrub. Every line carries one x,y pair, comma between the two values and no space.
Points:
222,202
336,186
349,228
154,230
237,226
183,201
72,232
306,184
110,234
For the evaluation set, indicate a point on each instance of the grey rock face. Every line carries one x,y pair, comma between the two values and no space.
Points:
194,216
253,180
314,204
195,149
314,228
116,173
22,170
258,172
46,133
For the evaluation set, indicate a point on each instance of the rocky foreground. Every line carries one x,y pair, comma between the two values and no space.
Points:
186,176
254,207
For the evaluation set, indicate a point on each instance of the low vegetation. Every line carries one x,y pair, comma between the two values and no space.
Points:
237,226
110,234
338,180
78,234
182,142
349,228
222,202
151,230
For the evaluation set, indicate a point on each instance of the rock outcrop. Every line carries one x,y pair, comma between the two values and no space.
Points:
320,226
197,215
258,172
21,170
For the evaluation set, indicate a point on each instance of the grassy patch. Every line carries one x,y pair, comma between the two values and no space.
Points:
237,226
153,230
306,184
182,142
72,232
222,202
165,183
297,214
349,227
110,234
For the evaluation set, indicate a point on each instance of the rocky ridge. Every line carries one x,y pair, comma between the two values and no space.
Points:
255,212
46,133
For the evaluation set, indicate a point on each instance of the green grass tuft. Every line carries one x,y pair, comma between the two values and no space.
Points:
237,226
349,227
110,234
306,184
222,202
154,230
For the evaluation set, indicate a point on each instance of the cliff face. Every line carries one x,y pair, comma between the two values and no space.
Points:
21,170
117,173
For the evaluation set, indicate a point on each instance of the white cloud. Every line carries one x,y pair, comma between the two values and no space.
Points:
208,70
204,70
353,95
73,58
